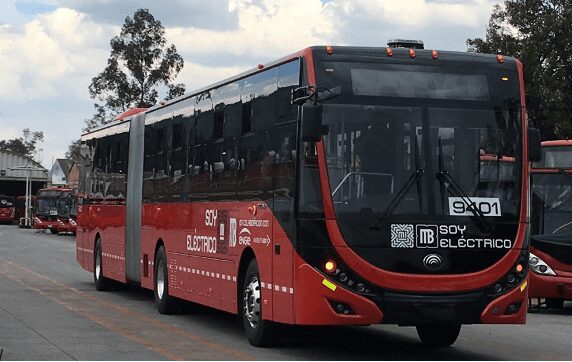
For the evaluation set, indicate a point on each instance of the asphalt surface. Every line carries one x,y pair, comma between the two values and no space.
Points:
49,310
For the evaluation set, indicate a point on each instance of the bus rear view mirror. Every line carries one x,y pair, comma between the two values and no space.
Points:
311,122
534,145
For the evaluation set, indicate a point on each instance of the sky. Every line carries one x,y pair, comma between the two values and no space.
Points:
51,49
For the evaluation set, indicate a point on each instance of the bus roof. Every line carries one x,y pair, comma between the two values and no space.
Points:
453,56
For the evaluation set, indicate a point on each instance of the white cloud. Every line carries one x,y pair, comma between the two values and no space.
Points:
51,56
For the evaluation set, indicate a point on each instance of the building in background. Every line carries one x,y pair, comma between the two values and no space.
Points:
60,171
13,176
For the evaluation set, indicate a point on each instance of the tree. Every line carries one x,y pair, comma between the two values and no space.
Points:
73,152
139,63
538,33
25,145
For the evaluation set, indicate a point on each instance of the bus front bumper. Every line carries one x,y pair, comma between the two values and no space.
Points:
550,286
319,301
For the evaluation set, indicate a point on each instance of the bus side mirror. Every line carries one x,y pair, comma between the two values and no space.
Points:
534,145
311,130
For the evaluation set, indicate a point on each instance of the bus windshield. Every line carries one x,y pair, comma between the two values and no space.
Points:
46,206
373,151
419,146
6,202
552,192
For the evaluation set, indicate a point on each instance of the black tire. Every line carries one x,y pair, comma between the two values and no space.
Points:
53,231
165,303
555,303
260,333
438,335
101,282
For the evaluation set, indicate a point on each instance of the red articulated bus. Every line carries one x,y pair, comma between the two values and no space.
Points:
67,213
335,186
46,208
7,209
551,224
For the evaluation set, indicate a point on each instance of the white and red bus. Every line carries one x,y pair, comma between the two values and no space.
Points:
45,213
551,224
335,186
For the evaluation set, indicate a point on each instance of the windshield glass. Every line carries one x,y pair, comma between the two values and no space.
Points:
552,203
44,206
555,157
62,206
6,202
374,151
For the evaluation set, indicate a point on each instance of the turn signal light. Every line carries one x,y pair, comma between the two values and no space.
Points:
519,268
330,266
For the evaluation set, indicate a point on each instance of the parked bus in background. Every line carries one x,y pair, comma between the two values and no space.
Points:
45,215
67,213
7,209
335,186
551,229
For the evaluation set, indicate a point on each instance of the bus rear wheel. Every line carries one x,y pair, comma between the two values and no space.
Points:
101,282
260,333
165,303
438,335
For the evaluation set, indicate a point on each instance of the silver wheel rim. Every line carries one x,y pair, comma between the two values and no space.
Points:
252,302
98,265
160,279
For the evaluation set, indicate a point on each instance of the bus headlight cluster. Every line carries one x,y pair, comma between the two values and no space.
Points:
539,266
344,277
510,280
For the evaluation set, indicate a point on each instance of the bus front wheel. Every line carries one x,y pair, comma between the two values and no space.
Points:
164,302
260,333
438,335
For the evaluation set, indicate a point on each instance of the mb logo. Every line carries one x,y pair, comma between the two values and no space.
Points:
427,236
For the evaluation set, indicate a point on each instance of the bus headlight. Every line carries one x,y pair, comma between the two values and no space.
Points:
539,266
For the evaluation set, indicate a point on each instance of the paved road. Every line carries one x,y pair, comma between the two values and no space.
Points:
49,310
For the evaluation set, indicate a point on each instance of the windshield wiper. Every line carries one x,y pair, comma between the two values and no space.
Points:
398,197
445,177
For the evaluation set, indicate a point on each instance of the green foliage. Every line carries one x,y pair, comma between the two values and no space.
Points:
73,152
25,145
538,33
139,63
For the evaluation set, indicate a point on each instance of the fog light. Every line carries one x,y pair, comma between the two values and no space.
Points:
513,308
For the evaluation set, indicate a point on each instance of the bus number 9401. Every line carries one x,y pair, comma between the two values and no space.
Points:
489,206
